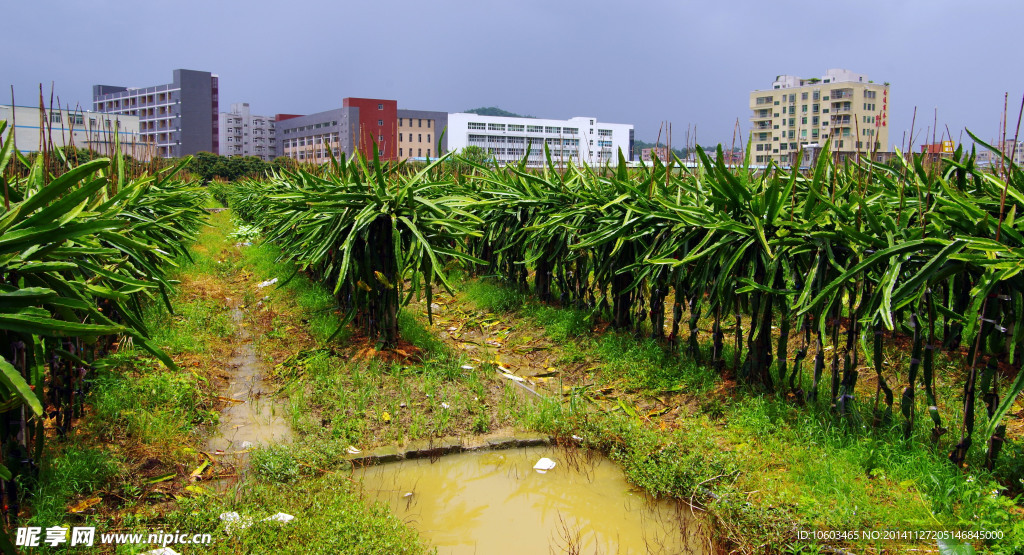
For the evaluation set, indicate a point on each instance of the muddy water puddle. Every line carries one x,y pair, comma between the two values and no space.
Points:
253,417
494,502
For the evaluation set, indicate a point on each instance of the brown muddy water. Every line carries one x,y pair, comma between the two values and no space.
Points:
494,502
254,417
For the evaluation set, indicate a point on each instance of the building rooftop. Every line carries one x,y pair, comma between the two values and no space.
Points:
834,75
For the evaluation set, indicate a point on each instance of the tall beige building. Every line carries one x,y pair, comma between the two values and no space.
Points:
798,113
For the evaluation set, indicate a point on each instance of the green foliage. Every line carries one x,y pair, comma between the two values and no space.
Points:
74,471
330,513
372,226
208,166
84,249
276,463
494,298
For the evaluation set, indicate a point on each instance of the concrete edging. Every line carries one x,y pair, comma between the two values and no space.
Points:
433,448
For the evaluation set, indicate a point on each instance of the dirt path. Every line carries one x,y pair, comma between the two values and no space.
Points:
251,417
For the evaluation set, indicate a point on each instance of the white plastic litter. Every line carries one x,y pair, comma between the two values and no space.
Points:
544,465
352,450
246,445
267,283
577,438
409,494
512,377
233,520
445,406
281,517
466,367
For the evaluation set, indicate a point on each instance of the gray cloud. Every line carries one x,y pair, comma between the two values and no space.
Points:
692,63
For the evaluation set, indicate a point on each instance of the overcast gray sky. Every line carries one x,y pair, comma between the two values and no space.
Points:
691,63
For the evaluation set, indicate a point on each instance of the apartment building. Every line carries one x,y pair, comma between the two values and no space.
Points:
59,128
578,140
648,154
176,119
797,113
356,126
1013,150
419,132
245,134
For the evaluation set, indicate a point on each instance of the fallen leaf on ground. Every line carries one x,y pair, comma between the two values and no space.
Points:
84,504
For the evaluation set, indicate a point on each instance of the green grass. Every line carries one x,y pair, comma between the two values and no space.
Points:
317,307
495,299
194,325
155,407
330,517
763,466
77,470
146,421
335,398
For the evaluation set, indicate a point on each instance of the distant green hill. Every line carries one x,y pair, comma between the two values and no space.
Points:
494,111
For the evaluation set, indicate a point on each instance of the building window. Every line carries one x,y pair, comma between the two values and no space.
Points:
419,123
400,152
419,152
472,125
428,150
380,106
419,138
428,139
379,122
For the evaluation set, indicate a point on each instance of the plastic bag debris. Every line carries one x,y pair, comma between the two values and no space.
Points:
512,377
280,517
544,465
267,283
352,450
233,520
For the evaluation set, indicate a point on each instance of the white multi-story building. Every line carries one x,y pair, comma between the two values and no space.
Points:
95,131
243,134
580,140
177,118
1014,150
